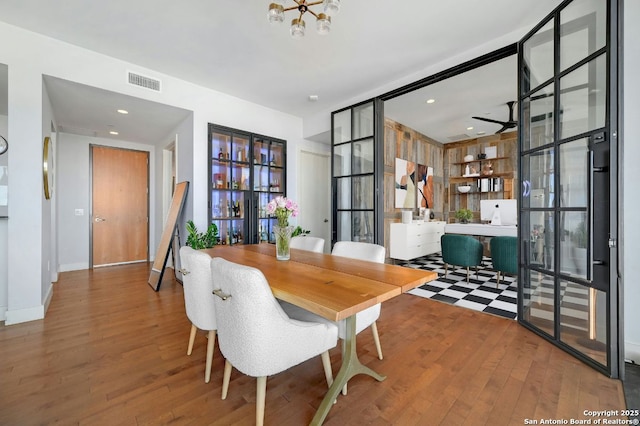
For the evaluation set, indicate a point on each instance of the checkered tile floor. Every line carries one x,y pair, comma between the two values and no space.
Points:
479,294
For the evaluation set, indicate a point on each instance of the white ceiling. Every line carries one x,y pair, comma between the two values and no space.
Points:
229,46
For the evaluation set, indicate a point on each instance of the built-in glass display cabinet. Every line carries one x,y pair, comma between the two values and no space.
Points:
246,172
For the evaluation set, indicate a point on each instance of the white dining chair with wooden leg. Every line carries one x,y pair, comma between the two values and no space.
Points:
256,336
197,283
314,244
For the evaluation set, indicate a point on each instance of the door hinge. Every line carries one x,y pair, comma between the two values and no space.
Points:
612,243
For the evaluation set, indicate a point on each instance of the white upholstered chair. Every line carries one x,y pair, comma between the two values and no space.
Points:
256,336
314,244
368,317
198,300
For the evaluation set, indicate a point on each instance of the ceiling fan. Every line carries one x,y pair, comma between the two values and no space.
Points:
510,124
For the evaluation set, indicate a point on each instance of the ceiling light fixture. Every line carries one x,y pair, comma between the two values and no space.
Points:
123,111
323,20
430,101
113,132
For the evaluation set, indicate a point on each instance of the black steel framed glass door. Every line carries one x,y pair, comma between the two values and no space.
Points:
568,204
356,149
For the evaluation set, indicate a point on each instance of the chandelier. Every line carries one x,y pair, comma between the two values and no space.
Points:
323,20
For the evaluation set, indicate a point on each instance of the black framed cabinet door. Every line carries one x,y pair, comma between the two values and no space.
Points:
568,204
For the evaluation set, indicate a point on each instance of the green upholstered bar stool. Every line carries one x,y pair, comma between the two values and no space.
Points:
461,250
504,255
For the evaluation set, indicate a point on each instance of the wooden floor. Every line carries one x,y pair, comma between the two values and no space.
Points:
111,351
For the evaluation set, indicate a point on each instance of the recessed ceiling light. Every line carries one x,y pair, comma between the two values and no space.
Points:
470,128
480,133
313,98
113,132
430,101
123,111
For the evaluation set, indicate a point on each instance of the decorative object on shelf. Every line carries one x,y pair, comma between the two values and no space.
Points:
4,145
464,215
491,152
487,169
468,158
323,20
201,240
47,167
464,188
482,156
282,208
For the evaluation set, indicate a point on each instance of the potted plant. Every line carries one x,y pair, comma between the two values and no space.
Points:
464,215
299,231
201,240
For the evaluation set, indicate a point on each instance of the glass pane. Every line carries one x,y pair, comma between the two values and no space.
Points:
573,173
538,57
260,151
541,239
240,149
537,173
277,154
573,244
538,301
344,193
583,96
363,157
583,320
538,116
363,121
582,30
363,227
344,226
342,127
363,192
342,160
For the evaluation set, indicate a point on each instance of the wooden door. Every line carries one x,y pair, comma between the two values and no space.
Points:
120,206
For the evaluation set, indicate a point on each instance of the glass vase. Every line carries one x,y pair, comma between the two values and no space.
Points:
283,240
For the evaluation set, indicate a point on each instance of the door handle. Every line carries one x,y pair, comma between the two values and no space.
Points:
99,219
598,262
326,220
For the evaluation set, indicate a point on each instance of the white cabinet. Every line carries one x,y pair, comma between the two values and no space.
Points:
411,240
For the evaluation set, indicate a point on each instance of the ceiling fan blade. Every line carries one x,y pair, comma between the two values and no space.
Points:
490,120
507,126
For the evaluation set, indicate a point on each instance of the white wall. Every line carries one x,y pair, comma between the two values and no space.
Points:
3,230
73,192
631,207
29,56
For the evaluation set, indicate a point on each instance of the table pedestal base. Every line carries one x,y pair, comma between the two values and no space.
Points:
351,366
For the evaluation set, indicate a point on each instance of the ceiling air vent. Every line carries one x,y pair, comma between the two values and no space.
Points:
459,137
142,81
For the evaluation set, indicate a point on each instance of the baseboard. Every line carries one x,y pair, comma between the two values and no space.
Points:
632,352
47,299
3,313
73,267
18,316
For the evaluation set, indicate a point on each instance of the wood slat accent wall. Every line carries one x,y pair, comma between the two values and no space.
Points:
404,142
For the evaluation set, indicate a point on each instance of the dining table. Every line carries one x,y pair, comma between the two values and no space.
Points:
334,287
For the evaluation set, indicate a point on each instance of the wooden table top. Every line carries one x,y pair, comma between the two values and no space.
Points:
333,287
